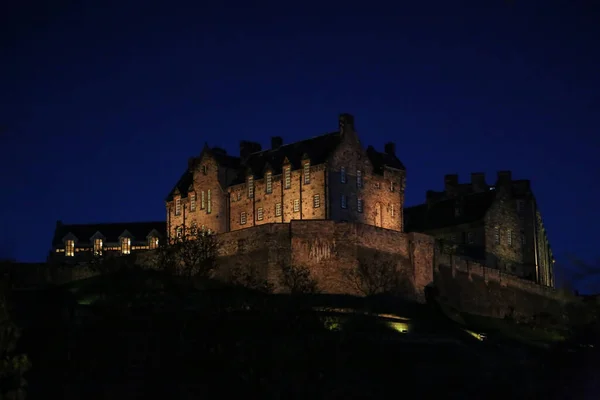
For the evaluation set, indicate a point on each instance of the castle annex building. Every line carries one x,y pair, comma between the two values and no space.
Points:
327,177
498,225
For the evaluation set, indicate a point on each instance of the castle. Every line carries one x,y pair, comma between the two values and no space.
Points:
328,177
328,203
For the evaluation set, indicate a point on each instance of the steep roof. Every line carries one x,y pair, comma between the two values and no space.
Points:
317,149
436,215
111,231
381,160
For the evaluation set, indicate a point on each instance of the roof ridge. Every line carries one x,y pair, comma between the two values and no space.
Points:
296,142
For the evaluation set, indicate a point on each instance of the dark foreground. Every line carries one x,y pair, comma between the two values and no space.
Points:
224,342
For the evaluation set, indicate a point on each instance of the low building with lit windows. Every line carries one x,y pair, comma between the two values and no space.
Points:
81,242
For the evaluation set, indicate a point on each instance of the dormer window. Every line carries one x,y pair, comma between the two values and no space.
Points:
98,247
178,206
153,243
69,248
306,173
343,175
204,169
359,181
392,186
125,246
269,184
288,177
250,187
193,202
208,202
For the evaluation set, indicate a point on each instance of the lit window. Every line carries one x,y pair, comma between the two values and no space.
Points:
242,218
359,181
250,187
259,214
98,247
470,237
126,245
343,175
153,243
392,210
344,203
359,205
497,235
177,206
306,173
509,237
316,201
179,232
70,248
193,202
202,202
278,210
269,178
288,177
194,228
208,202
296,205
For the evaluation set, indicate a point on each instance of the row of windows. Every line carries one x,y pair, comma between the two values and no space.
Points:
469,237
205,202
296,208
287,174
125,246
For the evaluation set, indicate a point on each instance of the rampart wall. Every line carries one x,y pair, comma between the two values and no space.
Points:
475,288
328,249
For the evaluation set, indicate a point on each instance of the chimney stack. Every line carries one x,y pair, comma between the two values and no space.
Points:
478,182
451,184
346,123
247,148
504,178
276,142
390,148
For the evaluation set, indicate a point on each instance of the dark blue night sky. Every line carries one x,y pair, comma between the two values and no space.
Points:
101,105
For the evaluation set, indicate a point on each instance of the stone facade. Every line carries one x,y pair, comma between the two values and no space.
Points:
328,249
330,177
498,225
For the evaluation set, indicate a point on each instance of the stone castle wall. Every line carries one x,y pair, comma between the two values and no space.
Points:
328,249
474,288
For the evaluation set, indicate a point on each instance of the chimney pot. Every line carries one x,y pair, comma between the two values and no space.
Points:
247,148
276,142
478,182
346,123
390,148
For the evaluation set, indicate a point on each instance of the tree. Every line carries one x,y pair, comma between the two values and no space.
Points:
249,277
297,280
12,366
376,276
191,253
